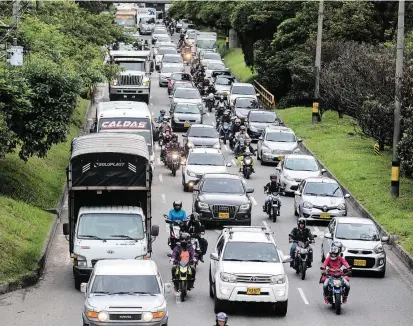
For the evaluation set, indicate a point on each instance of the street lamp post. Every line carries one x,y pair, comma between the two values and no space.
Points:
316,102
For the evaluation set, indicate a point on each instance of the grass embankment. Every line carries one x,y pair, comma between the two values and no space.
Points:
26,189
351,159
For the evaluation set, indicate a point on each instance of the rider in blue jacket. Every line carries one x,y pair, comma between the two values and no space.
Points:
177,213
161,115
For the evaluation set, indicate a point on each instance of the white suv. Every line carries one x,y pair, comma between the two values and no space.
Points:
247,266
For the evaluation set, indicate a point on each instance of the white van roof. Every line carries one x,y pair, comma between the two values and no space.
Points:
121,105
118,113
126,267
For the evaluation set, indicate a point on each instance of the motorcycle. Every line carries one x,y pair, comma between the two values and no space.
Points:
197,249
210,101
273,207
247,165
301,259
175,229
187,58
225,130
183,276
174,162
336,288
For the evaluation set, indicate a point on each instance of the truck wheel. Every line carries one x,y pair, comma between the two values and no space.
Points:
78,281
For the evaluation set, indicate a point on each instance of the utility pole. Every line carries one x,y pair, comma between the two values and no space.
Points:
16,10
316,102
395,164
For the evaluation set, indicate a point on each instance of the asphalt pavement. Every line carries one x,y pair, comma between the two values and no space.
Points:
372,301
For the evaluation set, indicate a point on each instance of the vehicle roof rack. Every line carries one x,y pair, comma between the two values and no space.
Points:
253,229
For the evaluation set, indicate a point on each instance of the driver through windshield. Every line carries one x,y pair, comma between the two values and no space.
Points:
299,164
206,159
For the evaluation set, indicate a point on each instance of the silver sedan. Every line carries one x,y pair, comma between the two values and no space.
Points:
320,199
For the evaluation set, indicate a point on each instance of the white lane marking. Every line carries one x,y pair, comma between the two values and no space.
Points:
253,200
234,163
316,229
151,103
266,225
163,199
208,114
226,148
160,178
400,272
158,161
68,259
167,228
152,113
178,299
303,295
213,123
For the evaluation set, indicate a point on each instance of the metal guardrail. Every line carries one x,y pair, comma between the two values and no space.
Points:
265,96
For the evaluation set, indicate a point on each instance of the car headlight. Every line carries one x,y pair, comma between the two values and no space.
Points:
341,207
253,129
190,144
147,316
191,174
226,277
115,82
307,205
296,151
176,119
378,249
264,148
217,145
103,316
244,207
146,83
278,279
287,177
79,260
203,205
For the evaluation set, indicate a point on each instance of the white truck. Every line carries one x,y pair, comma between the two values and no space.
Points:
134,82
206,41
109,201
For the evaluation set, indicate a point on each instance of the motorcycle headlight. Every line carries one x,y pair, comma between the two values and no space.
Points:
337,283
190,144
341,207
244,207
103,316
378,249
203,205
191,174
307,205
253,129
226,277
174,156
217,145
278,279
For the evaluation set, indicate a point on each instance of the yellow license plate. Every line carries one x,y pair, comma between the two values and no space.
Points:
253,291
324,215
360,262
225,93
223,215
187,125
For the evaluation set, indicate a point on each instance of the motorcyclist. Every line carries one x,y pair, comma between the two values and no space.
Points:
195,228
334,261
209,87
165,124
226,117
177,213
221,319
161,116
183,251
181,40
166,137
172,146
240,136
303,234
243,148
271,187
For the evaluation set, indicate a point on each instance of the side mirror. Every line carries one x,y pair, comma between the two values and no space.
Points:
278,168
328,235
184,135
229,164
214,256
299,140
323,170
260,138
286,259
223,60
347,196
385,239
83,287
66,229
250,190
297,193
155,230
167,287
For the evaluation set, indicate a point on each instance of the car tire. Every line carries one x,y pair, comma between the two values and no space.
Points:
78,281
382,273
322,254
281,308
218,304
295,212
211,290
259,157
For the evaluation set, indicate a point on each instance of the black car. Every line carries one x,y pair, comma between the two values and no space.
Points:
243,105
222,198
258,120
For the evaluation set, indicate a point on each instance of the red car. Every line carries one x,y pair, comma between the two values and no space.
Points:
181,76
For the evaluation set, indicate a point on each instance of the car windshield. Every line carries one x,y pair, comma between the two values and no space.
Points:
172,58
206,44
203,133
187,93
357,231
301,164
160,32
281,137
181,77
169,69
223,186
224,81
245,103
148,20
179,84
187,109
126,20
164,50
211,56
244,90
325,189
165,44
125,284
264,117
192,35
137,66
206,159
251,251
110,226
215,66
162,38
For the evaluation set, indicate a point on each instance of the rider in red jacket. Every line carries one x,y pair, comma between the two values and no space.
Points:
333,264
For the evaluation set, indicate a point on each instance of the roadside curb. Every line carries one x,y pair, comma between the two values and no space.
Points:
33,277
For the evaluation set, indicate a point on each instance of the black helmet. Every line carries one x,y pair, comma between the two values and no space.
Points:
206,81
301,221
177,205
221,316
175,137
163,112
184,239
273,176
338,244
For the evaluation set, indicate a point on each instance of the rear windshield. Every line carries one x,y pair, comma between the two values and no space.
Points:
246,90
